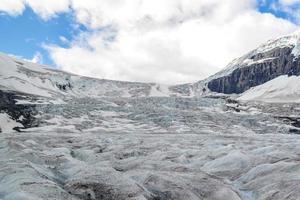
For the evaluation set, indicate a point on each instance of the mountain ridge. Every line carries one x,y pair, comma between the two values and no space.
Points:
272,59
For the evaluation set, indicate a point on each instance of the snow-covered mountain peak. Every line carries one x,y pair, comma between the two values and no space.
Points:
291,41
274,58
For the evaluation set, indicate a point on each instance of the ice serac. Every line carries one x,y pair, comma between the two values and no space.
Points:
272,59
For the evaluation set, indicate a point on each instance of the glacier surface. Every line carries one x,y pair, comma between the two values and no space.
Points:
153,148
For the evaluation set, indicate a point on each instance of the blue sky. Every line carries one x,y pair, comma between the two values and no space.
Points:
272,6
26,34
144,51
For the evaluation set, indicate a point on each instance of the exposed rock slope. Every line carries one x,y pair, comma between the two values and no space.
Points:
275,58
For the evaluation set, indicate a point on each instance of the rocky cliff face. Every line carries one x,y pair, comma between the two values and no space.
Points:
258,67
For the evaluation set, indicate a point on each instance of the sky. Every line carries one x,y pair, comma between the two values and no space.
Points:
163,41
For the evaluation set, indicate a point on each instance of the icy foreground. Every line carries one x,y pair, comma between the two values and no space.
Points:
154,148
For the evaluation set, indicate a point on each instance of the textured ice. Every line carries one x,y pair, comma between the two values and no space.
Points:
152,148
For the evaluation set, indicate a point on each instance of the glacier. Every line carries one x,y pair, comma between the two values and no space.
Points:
152,148
65,136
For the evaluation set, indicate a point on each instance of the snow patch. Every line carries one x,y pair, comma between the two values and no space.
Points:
7,124
158,90
249,62
280,89
296,50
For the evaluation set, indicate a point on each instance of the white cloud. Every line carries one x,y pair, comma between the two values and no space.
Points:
64,40
37,58
289,2
44,8
128,13
48,8
12,7
290,7
167,41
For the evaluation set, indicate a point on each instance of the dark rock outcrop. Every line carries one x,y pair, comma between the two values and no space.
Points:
64,87
292,121
266,66
23,114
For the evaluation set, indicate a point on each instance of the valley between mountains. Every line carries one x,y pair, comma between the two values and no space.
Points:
232,136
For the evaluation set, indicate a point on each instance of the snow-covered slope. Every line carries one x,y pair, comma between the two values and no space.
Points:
7,124
25,77
281,89
22,76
